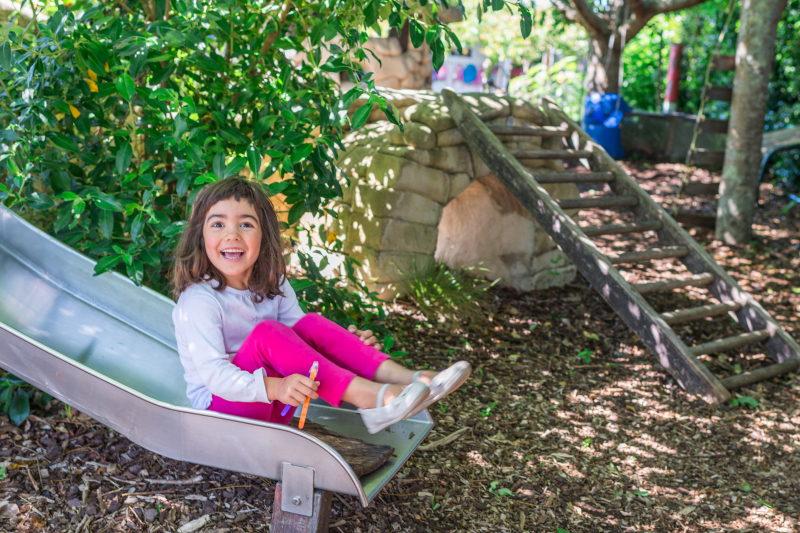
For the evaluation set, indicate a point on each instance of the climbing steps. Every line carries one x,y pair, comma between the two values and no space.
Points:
627,298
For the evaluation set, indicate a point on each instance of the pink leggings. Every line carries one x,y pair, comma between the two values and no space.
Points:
282,351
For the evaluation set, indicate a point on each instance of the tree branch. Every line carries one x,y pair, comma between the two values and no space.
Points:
589,19
668,6
274,35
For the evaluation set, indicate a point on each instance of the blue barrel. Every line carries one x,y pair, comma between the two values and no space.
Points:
602,117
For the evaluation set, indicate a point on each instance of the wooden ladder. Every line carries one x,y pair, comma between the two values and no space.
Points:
700,156
625,298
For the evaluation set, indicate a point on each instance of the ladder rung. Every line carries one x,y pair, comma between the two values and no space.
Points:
705,311
568,177
598,201
696,280
727,62
708,157
550,154
646,255
729,343
760,374
537,132
719,93
715,125
619,229
698,188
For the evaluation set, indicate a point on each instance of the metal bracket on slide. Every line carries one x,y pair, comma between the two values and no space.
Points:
298,489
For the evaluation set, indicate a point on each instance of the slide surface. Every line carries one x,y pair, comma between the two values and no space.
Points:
107,348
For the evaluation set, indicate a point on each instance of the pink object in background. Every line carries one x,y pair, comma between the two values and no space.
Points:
673,78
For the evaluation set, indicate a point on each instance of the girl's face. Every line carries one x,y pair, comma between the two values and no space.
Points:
232,234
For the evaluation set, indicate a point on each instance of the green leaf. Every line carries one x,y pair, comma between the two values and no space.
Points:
745,487
525,22
179,127
360,116
263,125
301,153
235,166
737,368
296,212
174,229
20,407
232,135
123,159
136,271
417,33
137,226
762,502
106,263
277,187
125,86
505,492
150,257
388,342
497,5
561,530
254,160
219,165
64,142
438,54
106,223
6,56
299,285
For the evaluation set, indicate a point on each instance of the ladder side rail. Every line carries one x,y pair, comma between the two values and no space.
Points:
630,305
751,315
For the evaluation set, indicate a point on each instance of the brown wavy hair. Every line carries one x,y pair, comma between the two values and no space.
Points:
192,264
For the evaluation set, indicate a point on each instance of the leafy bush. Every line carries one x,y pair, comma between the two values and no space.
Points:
15,398
562,82
454,295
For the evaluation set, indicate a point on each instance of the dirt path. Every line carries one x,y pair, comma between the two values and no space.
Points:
601,441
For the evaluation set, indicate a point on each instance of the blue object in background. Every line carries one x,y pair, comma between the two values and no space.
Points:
601,117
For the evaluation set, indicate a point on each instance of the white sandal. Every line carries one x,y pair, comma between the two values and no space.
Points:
383,416
445,382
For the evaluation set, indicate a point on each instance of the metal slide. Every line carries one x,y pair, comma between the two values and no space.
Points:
107,347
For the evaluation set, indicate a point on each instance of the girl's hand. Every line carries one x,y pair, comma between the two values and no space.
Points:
366,337
292,390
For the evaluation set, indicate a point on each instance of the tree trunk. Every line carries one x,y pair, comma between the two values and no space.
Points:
600,79
755,50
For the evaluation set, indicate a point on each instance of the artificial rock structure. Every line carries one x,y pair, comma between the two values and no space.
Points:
422,195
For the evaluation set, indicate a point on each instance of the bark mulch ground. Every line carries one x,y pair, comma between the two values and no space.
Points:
568,422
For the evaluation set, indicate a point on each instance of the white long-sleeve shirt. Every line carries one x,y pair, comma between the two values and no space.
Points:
210,327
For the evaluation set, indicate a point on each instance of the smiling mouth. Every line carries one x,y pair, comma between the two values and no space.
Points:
232,254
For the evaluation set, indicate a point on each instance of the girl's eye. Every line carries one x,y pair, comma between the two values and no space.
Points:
247,225
216,225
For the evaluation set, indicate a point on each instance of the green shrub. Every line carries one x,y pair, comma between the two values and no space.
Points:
457,296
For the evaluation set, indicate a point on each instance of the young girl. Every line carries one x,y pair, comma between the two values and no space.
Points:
246,345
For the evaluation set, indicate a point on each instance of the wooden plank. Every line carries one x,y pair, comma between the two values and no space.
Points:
536,132
729,343
619,229
696,313
598,201
718,93
708,158
648,255
698,188
750,315
283,522
696,220
715,125
630,305
720,62
569,177
536,155
363,457
761,374
696,280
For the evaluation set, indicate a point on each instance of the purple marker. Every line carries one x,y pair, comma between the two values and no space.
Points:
286,408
